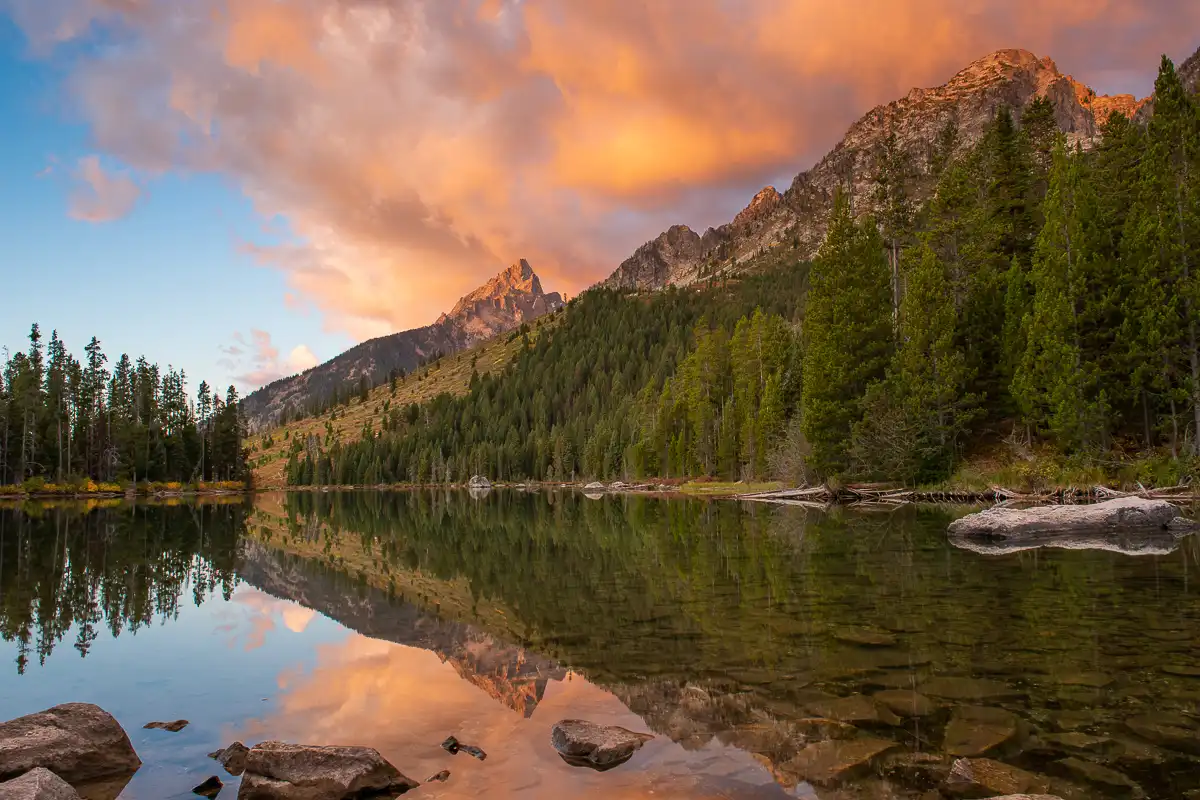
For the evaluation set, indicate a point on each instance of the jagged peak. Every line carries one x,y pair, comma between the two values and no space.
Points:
518,278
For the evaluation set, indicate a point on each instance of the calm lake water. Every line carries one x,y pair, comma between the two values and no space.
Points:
734,632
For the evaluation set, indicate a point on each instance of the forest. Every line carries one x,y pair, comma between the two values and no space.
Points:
1044,295
68,422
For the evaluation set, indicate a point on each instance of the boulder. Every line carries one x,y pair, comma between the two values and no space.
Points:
595,486
983,777
282,771
479,482
232,758
79,742
1122,514
37,784
211,787
585,744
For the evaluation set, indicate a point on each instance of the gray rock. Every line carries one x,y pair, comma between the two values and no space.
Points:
282,771
79,742
479,482
1122,514
232,758
585,744
595,486
983,777
37,784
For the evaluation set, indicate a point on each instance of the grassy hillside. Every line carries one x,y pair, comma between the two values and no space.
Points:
448,375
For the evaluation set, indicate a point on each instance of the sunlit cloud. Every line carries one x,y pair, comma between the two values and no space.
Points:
101,195
264,614
416,148
255,361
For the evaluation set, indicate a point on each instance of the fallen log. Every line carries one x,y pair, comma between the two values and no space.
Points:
1121,514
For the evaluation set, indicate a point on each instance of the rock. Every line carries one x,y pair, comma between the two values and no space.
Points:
821,728
479,482
1121,514
1167,730
969,689
976,731
827,763
856,709
37,784
454,746
585,744
595,486
232,758
1111,782
1027,797
864,637
441,777
1075,741
174,727
79,742
905,702
919,771
1181,670
282,771
1094,680
983,777
210,788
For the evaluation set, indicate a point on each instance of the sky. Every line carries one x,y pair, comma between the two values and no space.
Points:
245,188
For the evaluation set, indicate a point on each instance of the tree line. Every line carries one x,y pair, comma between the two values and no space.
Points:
64,420
1046,295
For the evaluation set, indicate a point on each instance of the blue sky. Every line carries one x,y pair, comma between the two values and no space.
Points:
168,281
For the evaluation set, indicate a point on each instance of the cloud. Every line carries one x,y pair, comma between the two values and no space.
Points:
415,148
101,195
255,362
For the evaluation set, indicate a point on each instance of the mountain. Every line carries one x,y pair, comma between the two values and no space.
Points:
796,218
500,305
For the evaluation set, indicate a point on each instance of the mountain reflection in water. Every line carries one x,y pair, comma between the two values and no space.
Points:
734,633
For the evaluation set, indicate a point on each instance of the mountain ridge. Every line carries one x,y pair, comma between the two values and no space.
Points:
797,217
512,297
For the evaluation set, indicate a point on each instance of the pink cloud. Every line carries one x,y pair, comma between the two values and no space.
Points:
256,362
101,195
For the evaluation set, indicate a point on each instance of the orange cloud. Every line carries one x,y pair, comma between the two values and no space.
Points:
101,195
415,148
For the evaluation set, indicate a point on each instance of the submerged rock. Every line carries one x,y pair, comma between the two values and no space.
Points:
969,689
79,742
440,777
864,637
37,784
1122,514
856,709
1167,730
585,744
1111,782
282,771
232,758
210,788
976,731
830,762
454,746
174,726
906,702
983,777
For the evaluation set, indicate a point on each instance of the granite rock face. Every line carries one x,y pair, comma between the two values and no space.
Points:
79,742
282,771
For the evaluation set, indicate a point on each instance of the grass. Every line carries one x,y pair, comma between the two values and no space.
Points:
448,375
707,488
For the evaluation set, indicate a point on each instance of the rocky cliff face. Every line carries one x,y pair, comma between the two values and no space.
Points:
797,218
500,305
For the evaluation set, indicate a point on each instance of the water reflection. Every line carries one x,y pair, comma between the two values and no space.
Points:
771,650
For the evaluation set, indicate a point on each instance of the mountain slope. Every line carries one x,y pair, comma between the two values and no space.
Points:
506,301
797,217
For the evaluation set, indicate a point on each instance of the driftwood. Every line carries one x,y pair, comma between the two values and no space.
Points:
880,493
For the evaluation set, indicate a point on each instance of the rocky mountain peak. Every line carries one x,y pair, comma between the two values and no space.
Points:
971,98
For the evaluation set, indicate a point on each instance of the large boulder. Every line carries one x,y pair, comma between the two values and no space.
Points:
79,742
1120,515
585,744
479,482
282,771
37,784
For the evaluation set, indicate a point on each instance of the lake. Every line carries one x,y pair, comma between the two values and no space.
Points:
773,651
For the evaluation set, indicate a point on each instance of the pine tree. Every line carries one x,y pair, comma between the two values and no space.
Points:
847,335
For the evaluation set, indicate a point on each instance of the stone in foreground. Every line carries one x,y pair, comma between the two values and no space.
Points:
232,758
37,784
601,747
1122,514
282,771
79,742
983,777
831,762
210,788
